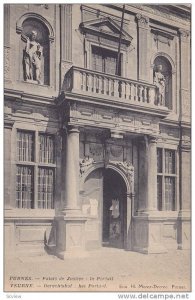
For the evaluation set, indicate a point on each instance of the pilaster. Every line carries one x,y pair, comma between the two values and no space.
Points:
8,125
184,220
185,74
143,45
66,38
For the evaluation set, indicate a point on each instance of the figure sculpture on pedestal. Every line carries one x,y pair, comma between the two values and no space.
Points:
32,58
159,81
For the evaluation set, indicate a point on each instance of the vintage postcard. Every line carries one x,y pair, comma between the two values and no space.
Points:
97,159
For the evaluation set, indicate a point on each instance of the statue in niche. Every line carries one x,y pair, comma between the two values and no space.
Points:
32,58
159,81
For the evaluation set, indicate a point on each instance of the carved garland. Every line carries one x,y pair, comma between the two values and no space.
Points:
128,169
85,164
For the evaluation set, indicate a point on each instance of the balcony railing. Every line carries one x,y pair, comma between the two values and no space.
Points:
106,86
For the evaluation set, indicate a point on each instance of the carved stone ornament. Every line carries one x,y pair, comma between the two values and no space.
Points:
85,163
127,168
46,6
116,151
95,149
143,21
184,34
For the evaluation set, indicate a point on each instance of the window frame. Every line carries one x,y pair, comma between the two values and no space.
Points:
104,54
36,165
88,61
163,174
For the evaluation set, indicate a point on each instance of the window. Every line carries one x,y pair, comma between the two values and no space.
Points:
104,61
24,187
166,179
35,170
46,149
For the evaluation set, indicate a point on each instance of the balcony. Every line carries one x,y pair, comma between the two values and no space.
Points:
115,90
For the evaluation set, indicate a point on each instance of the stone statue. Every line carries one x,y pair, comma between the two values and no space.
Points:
32,58
159,81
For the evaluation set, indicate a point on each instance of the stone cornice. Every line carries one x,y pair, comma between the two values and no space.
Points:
144,109
154,15
118,121
96,10
8,123
15,95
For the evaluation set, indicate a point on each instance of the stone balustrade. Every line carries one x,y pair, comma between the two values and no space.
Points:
103,85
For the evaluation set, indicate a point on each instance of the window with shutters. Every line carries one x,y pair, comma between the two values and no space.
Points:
166,179
35,170
104,61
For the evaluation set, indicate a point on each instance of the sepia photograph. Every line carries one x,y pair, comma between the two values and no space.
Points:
97,147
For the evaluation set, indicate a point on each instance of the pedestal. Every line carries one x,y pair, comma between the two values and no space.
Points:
147,232
184,231
70,236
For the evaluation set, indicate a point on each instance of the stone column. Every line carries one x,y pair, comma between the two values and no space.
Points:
152,174
185,57
70,224
8,125
72,170
143,47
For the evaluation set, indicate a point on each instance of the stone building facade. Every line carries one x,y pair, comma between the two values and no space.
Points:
92,158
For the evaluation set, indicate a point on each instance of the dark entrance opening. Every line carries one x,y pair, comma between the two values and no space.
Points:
114,209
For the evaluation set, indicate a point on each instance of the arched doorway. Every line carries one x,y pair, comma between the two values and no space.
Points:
114,209
101,191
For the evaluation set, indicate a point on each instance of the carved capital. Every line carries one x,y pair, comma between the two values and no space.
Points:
73,129
149,139
8,123
184,34
152,139
185,143
142,21
185,147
